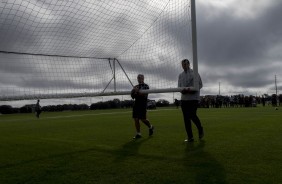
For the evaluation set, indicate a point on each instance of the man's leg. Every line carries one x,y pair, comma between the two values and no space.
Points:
195,118
137,127
135,112
146,122
187,121
149,125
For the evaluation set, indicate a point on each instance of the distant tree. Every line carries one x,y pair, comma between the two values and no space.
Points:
26,109
67,107
6,109
127,103
100,105
116,103
162,103
83,107
274,100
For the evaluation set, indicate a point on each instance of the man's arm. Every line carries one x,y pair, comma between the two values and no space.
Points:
200,82
179,81
144,88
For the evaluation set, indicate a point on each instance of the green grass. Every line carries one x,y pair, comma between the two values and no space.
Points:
241,145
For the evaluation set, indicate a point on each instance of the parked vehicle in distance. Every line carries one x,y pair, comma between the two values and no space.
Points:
151,104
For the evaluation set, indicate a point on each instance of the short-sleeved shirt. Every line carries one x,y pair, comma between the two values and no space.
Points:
140,104
141,100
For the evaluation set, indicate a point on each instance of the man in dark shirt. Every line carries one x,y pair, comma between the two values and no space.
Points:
140,107
37,109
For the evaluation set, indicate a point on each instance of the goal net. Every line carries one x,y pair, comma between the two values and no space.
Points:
69,48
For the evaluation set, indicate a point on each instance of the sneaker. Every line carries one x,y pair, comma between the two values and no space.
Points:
201,134
137,136
151,130
189,140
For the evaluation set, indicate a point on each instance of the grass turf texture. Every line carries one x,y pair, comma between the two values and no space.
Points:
241,145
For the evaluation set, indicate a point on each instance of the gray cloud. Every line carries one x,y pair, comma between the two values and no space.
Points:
234,40
242,51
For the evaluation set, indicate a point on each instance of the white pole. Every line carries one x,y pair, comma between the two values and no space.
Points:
114,63
219,88
77,95
277,99
194,44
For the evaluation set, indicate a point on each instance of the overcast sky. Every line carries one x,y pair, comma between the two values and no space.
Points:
239,43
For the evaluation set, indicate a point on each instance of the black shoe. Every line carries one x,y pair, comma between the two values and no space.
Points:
189,140
151,130
201,133
137,136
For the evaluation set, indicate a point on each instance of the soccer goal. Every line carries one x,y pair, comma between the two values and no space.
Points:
69,49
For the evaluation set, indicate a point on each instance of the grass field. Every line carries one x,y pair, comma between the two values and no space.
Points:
241,145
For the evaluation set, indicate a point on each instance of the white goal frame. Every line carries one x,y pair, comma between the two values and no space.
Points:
195,86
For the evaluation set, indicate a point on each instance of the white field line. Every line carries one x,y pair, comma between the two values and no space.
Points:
81,115
105,113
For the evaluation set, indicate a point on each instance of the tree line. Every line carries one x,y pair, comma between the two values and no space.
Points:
111,104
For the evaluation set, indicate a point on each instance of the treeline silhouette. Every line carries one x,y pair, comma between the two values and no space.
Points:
111,104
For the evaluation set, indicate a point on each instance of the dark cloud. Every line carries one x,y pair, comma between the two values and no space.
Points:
227,42
233,40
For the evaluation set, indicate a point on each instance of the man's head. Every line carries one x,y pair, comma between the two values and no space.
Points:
185,64
140,78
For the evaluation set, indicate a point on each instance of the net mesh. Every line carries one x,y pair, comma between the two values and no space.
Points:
61,48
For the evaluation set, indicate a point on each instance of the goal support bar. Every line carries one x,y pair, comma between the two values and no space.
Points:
80,95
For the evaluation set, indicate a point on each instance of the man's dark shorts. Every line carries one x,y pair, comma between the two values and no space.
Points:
139,113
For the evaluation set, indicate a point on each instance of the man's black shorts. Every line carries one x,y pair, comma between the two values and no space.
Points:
139,113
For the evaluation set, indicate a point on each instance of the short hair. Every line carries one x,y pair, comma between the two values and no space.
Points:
185,61
141,75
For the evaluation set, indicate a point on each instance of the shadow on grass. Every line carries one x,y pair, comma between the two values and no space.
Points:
129,149
50,157
205,167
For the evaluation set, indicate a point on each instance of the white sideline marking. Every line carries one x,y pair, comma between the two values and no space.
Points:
71,116
81,115
105,113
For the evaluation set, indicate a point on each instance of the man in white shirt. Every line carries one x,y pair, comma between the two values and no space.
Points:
190,100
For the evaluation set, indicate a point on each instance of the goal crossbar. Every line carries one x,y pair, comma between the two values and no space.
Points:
80,95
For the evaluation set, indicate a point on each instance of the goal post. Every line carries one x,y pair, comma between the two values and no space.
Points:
194,45
195,86
71,49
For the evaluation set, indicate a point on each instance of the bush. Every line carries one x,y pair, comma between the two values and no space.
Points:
6,109
162,103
